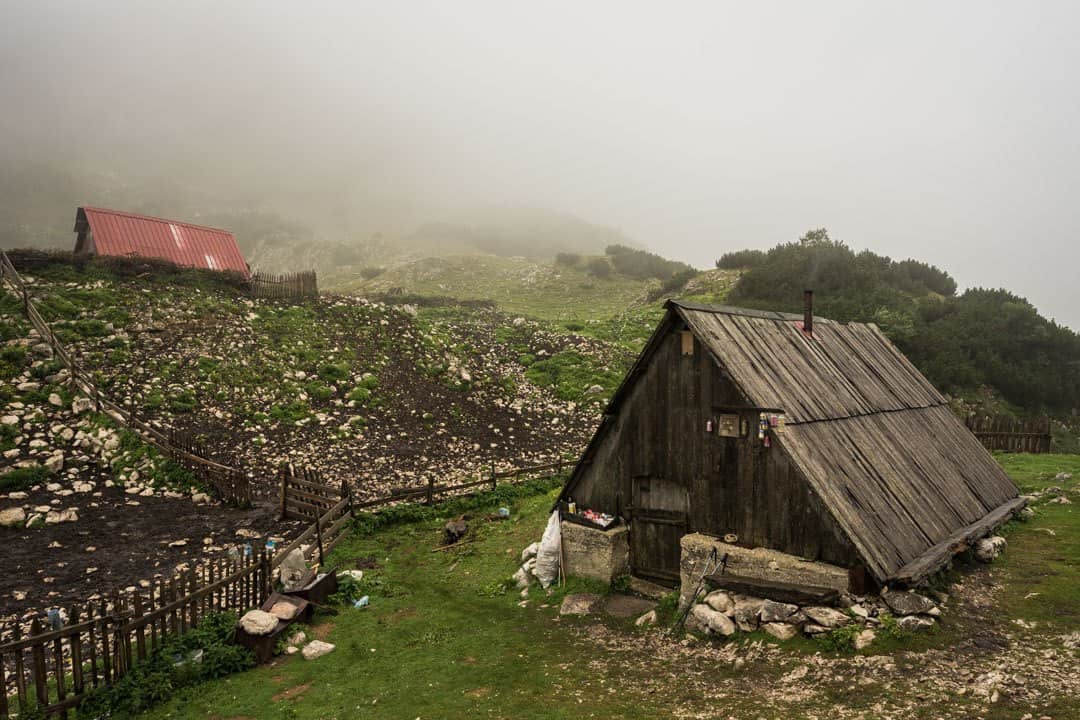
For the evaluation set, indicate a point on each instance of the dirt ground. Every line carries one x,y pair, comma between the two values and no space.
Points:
114,544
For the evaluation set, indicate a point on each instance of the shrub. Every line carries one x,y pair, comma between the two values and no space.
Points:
599,268
318,391
12,361
172,667
183,402
643,265
23,478
332,372
568,259
370,273
740,259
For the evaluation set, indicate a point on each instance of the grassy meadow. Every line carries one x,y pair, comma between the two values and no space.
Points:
445,637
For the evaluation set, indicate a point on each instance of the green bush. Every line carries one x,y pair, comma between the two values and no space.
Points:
599,267
183,402
643,265
23,478
318,391
13,360
740,259
359,395
171,668
568,259
331,372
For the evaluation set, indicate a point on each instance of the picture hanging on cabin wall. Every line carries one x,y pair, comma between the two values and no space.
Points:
728,426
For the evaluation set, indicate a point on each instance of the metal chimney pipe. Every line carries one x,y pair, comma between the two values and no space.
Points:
808,312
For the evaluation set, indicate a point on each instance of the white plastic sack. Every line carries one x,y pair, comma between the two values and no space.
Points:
547,556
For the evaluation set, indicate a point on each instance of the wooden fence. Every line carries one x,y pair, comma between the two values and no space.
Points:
51,671
229,483
1011,434
304,495
285,286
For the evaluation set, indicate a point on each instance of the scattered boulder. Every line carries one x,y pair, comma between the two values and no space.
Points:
12,517
908,603
200,499
989,548
864,639
746,613
62,516
258,622
777,612
781,630
316,649
530,552
914,623
648,618
720,601
80,405
706,621
284,610
827,617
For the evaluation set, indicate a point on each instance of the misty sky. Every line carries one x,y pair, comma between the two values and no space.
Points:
946,131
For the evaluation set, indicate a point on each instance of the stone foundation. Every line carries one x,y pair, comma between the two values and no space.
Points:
594,553
757,563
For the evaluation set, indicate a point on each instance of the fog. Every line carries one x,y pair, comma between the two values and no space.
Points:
941,131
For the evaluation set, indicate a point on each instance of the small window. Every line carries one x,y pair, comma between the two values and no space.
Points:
687,342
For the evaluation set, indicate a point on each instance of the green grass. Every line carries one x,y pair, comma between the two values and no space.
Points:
444,636
541,290
1037,561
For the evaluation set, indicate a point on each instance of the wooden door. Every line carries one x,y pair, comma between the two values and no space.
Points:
658,519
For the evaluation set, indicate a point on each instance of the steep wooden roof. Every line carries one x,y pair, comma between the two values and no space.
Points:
900,473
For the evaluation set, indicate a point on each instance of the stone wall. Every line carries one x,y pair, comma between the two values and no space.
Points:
757,563
594,553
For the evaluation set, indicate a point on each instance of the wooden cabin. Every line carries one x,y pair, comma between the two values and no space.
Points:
798,434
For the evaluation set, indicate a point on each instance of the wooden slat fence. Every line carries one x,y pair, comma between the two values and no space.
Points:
50,671
230,483
284,286
304,495
1011,434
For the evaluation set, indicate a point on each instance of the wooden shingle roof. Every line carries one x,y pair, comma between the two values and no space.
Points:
901,475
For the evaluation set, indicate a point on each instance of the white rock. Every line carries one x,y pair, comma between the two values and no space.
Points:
55,400
648,618
12,517
80,405
720,601
316,649
780,630
827,617
200,499
989,548
914,623
863,639
9,420
777,612
257,622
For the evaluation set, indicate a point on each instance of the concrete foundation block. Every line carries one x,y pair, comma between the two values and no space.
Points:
594,553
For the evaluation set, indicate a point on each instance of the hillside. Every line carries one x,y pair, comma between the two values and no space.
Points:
383,395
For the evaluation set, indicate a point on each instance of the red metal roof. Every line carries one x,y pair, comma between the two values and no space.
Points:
122,233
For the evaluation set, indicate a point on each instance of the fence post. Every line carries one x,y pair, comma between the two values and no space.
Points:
494,480
283,470
318,536
430,489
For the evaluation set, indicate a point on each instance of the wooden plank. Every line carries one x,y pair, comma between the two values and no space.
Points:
774,590
939,555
